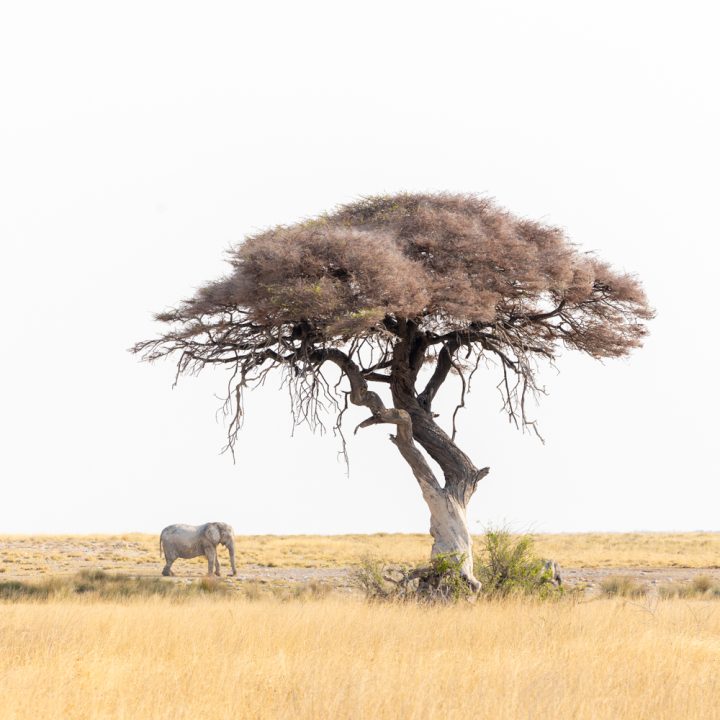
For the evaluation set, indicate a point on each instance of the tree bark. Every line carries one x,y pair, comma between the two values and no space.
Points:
450,533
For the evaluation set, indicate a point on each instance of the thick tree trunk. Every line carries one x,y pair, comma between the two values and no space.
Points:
450,533
448,518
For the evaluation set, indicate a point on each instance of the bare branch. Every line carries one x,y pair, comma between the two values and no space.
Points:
442,368
376,377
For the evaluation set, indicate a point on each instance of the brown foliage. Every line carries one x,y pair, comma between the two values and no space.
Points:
454,277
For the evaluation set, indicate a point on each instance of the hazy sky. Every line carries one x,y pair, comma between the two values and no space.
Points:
139,140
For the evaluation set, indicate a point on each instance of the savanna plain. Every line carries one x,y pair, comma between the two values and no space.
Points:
88,629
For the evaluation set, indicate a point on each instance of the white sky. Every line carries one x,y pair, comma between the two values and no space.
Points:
138,140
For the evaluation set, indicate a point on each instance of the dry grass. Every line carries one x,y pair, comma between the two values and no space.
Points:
622,586
700,549
700,586
346,659
138,553
97,646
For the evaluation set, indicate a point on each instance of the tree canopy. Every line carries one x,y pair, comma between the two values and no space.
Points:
461,271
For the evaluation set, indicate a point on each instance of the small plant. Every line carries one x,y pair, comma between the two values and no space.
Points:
622,586
674,590
313,590
252,591
370,578
210,585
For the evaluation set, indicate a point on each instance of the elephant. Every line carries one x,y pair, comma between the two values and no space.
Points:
189,541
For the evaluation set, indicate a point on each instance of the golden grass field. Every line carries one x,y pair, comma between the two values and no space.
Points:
245,649
134,552
345,658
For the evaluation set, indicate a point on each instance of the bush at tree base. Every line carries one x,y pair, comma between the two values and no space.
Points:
506,566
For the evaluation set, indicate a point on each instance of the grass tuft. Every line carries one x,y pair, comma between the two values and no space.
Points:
622,586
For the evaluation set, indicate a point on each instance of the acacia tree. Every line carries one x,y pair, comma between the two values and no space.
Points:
381,288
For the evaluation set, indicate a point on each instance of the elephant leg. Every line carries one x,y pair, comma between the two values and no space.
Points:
167,570
211,555
217,563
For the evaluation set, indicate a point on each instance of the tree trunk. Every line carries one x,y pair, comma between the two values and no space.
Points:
450,533
448,518
412,416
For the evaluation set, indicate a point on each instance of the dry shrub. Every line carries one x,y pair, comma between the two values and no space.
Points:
370,579
439,582
312,590
255,591
701,586
622,586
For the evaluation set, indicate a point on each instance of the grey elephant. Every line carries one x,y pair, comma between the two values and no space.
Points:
189,541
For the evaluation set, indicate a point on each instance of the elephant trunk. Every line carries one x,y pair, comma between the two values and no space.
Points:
231,550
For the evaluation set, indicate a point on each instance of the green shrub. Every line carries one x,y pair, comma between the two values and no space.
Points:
370,578
507,565
443,581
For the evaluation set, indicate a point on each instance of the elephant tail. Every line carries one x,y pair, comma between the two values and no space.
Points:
161,552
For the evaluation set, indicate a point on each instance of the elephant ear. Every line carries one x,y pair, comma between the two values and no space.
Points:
212,533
